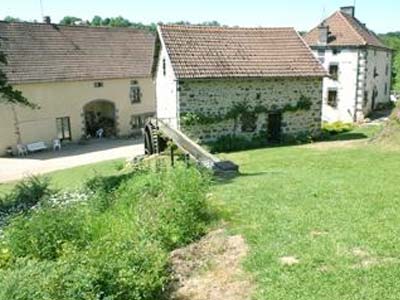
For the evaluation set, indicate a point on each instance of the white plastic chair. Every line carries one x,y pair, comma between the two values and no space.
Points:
99,133
56,145
22,150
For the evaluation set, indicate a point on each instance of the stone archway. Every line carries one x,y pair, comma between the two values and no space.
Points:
100,114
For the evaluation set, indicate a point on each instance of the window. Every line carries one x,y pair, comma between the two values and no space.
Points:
336,51
164,67
334,71
321,56
135,94
332,98
386,89
63,128
387,70
98,84
375,52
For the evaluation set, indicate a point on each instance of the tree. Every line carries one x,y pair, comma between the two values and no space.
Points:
96,21
69,20
119,22
12,19
7,93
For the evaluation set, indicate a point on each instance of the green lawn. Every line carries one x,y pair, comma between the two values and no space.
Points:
334,209
73,178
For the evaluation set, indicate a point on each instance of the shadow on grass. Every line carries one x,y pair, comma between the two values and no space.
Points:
348,136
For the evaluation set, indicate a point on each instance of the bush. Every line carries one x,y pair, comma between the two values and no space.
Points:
336,127
26,194
112,269
42,235
119,252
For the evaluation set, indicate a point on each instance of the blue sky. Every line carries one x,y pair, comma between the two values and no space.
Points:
380,16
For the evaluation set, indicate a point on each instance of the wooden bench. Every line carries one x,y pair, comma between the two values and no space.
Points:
37,146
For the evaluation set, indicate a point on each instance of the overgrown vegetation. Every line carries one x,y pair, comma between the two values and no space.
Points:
242,110
114,245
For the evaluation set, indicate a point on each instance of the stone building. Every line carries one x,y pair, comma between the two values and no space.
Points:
360,66
83,78
252,82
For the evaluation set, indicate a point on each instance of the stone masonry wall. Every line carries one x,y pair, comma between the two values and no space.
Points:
211,97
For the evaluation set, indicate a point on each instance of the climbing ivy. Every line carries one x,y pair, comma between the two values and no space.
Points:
244,111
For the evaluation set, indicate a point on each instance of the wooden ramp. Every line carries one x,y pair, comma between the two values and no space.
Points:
156,129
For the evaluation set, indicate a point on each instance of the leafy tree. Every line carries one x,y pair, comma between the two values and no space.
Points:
119,22
69,20
392,40
7,93
96,21
12,19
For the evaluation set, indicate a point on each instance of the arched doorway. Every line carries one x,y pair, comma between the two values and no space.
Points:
100,114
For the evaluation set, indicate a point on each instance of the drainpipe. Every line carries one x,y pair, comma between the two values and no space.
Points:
16,125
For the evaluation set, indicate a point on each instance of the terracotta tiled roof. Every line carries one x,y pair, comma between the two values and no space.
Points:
345,30
46,52
214,52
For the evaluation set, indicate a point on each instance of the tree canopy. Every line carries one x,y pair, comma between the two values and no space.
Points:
392,39
7,93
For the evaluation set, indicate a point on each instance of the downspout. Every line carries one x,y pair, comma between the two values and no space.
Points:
16,125
178,119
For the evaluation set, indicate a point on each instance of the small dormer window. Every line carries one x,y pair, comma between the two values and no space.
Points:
164,66
98,84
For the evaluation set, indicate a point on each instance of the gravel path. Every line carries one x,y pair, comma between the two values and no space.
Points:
71,156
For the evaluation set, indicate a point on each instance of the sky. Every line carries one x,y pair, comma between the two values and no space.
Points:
380,15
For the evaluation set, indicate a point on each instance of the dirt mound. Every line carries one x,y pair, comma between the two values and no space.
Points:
211,269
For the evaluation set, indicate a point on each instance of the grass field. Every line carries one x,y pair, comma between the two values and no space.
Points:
331,211
73,178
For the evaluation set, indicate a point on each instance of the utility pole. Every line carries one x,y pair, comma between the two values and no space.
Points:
41,9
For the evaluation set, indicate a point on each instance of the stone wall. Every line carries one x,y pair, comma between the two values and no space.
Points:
217,97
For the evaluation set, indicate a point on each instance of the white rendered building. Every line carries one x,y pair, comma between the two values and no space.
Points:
360,66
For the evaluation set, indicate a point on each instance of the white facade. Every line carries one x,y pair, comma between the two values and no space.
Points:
167,103
358,89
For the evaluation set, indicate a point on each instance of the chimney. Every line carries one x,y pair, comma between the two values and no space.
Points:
323,34
47,20
349,10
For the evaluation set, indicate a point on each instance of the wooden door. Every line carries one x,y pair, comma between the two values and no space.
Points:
274,127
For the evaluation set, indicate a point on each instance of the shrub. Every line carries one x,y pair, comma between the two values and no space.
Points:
43,234
26,194
336,127
111,269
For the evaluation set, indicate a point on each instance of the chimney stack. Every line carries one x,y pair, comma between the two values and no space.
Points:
349,10
323,34
47,20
